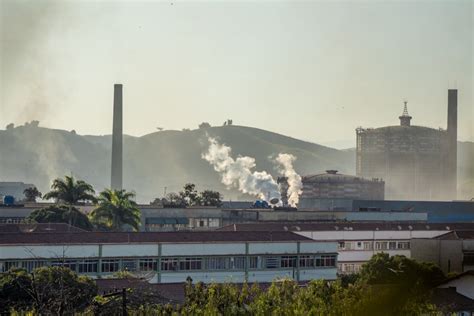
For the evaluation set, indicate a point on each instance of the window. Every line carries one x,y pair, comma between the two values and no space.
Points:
214,222
88,266
381,245
7,265
110,265
368,245
348,245
68,264
147,264
253,262
129,265
392,245
340,246
190,264
271,263
359,244
237,263
306,261
31,265
218,263
169,264
326,261
403,245
288,261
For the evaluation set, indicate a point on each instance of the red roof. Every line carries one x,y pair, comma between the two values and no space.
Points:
149,237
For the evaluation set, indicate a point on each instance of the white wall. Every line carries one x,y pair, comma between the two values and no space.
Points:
206,277
326,274
270,248
312,247
464,285
32,252
367,235
202,249
130,250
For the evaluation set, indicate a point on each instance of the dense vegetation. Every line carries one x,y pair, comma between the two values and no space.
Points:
385,286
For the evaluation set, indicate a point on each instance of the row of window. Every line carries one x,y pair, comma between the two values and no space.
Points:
370,245
181,264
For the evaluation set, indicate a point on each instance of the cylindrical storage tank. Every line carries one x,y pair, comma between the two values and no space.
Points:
332,190
8,200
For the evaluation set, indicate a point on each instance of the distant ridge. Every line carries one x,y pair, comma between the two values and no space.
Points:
164,159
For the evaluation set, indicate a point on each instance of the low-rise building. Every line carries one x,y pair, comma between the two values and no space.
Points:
358,242
452,251
168,257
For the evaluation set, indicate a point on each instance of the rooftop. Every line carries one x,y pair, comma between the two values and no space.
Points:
360,226
7,238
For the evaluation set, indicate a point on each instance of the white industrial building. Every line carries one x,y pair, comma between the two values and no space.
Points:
358,242
168,257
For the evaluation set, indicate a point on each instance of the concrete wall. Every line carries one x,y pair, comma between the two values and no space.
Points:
447,254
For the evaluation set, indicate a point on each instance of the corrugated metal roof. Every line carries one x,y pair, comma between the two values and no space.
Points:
148,237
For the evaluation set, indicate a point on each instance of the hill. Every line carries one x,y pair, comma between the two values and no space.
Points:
166,160
153,162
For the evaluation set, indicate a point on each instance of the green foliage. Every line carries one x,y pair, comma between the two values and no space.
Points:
210,198
70,191
190,195
13,294
60,214
115,210
47,290
31,194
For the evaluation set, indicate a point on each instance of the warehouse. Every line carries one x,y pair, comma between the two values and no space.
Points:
169,257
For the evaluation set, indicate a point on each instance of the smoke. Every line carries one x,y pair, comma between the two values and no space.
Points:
285,167
238,172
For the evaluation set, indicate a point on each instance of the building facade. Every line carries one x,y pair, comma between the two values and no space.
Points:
417,163
358,242
170,257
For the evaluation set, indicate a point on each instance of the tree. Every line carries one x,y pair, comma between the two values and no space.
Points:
210,198
61,214
174,200
13,294
47,290
10,127
190,194
204,125
116,209
70,191
401,285
31,194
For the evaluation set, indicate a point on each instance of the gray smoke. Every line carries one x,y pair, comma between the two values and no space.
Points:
238,172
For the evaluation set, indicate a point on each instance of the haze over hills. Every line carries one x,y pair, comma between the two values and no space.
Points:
168,159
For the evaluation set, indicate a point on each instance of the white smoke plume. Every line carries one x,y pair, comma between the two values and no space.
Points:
238,172
285,167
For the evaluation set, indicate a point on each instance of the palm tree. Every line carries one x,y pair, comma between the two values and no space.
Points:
60,214
115,209
70,191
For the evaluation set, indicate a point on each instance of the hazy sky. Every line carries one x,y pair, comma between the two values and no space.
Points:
312,70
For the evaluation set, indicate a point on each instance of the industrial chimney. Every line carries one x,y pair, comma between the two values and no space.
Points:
452,132
117,138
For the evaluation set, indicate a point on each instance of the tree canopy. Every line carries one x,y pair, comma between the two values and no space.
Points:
31,194
47,290
70,191
61,214
115,210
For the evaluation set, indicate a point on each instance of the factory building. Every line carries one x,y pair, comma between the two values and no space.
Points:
416,162
335,191
358,242
170,257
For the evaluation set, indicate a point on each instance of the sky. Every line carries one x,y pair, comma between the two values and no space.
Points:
313,70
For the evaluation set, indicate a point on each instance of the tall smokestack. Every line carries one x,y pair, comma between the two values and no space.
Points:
453,137
117,138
